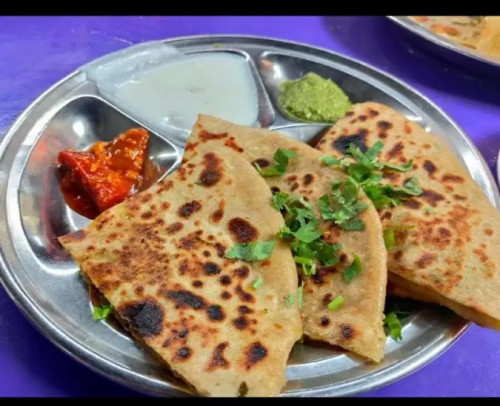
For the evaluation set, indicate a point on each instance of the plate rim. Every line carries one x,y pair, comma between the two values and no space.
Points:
146,384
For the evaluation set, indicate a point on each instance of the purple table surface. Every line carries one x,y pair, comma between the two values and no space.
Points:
35,52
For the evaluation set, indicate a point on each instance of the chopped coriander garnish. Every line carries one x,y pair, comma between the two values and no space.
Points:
304,236
345,196
411,187
101,312
300,295
258,283
330,160
289,300
353,225
389,238
353,270
281,156
393,317
336,303
253,251
279,200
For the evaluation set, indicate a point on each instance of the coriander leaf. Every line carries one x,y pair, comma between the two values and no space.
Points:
101,312
308,232
326,253
289,300
308,265
353,225
279,200
253,251
400,168
412,187
300,295
336,303
378,194
257,283
325,209
353,270
330,160
371,154
282,157
394,326
389,239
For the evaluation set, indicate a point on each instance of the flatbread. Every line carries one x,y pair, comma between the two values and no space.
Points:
358,325
159,259
489,40
451,257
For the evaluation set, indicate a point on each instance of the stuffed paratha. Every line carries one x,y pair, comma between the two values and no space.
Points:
159,258
357,325
447,238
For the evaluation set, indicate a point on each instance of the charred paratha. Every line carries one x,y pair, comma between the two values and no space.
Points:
447,249
357,325
159,258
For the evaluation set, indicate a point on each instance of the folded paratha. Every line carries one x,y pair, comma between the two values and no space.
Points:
451,255
159,258
357,325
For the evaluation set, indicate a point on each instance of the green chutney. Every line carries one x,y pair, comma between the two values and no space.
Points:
314,99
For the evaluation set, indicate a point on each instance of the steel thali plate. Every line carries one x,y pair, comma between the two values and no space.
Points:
45,283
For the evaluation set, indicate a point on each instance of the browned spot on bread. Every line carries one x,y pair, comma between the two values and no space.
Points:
145,317
254,353
384,125
211,268
459,197
226,295
231,143
218,214
430,168
407,128
294,186
225,280
488,231
184,299
218,360
412,204
481,254
212,172
382,135
205,136
395,151
372,113
349,113
187,209
244,310
221,250
206,253
392,176
347,331
215,313
182,354
308,178
425,260
261,162
275,189
242,231
325,321
452,178
244,296
147,215
431,197
359,139
291,178
327,298
242,272
240,323
398,255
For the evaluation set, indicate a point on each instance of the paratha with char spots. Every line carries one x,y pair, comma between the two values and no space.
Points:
159,258
358,324
452,255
